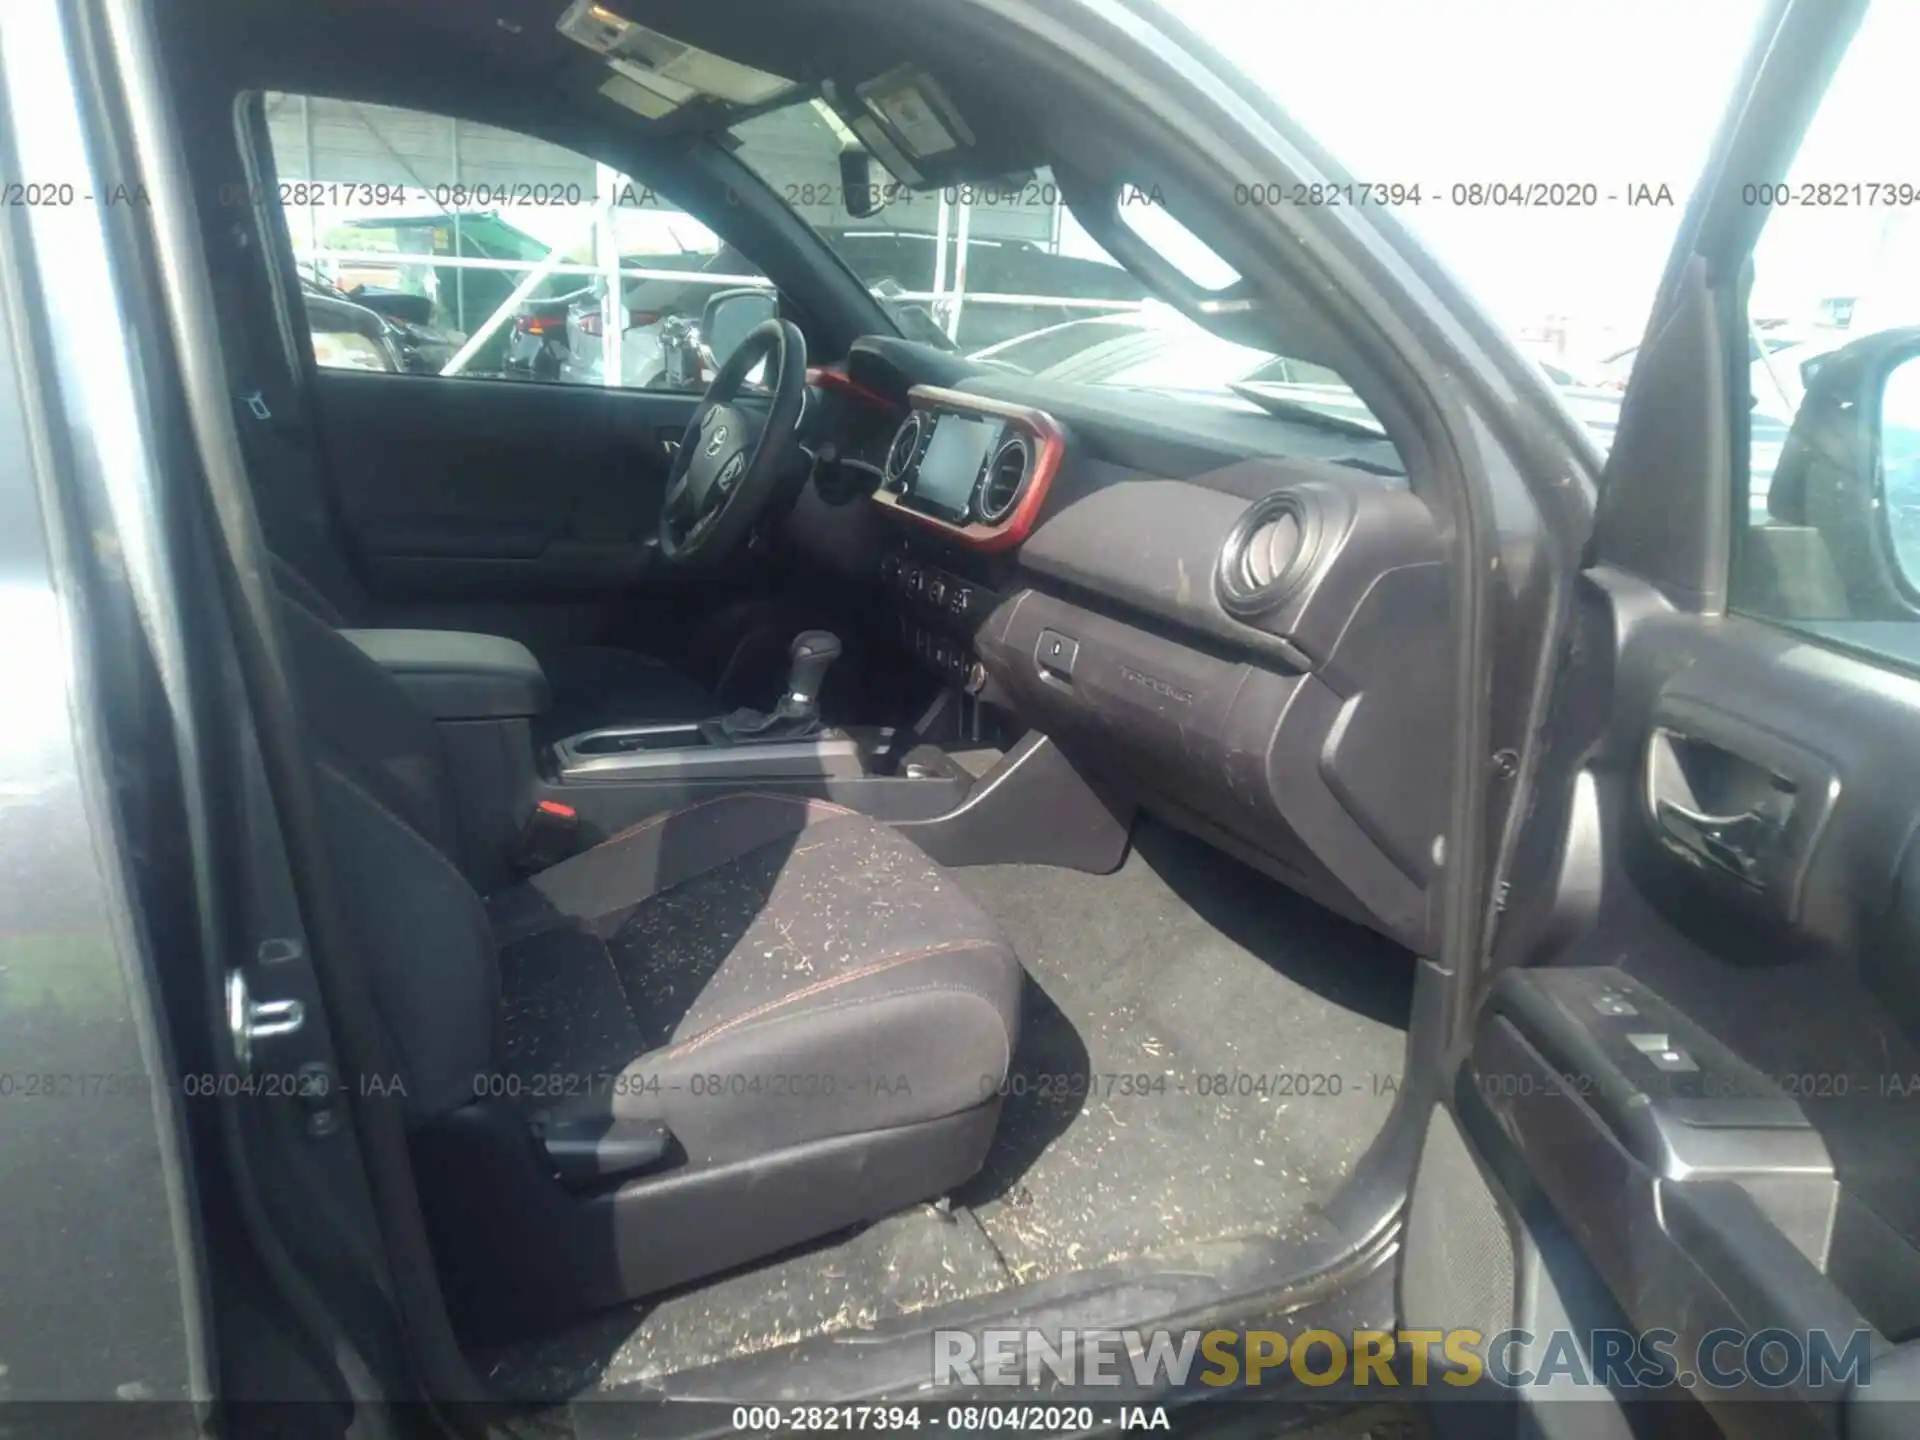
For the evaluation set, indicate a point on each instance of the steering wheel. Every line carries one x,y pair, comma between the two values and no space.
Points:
730,460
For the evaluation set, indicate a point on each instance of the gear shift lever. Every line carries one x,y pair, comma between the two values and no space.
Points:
798,714
812,653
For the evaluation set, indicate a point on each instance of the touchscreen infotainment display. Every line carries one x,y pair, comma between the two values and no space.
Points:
951,465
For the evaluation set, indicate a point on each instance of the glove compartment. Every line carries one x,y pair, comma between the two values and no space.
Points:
1146,703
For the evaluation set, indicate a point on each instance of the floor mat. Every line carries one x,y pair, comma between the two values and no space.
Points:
1203,1054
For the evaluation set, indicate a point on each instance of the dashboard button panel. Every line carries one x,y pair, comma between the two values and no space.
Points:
937,615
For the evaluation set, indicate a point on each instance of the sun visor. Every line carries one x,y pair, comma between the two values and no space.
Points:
654,74
909,123
909,105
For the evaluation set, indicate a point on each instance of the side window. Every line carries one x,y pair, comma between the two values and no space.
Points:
443,247
1828,530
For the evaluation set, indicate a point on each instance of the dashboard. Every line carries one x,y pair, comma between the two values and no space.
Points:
1242,622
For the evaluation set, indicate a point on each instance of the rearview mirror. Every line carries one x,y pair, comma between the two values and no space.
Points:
857,190
729,317
1899,454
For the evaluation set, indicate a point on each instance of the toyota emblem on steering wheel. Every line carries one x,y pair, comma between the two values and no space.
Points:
716,441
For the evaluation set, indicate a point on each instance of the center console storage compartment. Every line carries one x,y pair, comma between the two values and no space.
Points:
453,675
483,693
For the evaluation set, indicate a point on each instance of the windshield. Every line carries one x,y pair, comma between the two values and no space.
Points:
1555,151
1006,275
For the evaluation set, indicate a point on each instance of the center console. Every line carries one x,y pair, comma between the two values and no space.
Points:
965,478
964,799
695,751
614,777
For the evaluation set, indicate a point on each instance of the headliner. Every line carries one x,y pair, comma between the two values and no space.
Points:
392,49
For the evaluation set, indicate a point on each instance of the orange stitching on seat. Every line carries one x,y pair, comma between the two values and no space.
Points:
820,987
660,819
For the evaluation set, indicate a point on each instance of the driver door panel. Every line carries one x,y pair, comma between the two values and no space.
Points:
496,490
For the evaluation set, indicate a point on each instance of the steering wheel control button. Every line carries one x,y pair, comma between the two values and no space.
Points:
1055,654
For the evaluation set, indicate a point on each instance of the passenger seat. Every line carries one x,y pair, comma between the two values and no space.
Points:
727,1031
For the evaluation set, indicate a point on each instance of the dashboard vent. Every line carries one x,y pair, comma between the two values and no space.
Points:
1006,474
1268,553
904,452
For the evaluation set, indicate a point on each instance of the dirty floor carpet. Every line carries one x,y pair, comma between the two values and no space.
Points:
1203,1055
915,1260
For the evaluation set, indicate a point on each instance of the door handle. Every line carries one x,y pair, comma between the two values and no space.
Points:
1736,844
1738,837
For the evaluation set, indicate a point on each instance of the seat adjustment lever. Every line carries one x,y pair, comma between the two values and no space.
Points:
600,1147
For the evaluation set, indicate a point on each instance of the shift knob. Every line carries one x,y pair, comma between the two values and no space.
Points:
812,653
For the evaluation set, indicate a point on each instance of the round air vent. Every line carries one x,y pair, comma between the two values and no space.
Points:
1269,551
903,452
1001,484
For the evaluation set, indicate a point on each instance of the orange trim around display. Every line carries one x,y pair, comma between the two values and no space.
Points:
1049,449
825,377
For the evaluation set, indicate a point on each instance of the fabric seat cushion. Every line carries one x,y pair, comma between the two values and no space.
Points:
757,972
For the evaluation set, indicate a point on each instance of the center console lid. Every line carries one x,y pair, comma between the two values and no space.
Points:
453,675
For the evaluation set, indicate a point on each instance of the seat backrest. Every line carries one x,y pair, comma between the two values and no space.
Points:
393,842
360,718
298,590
